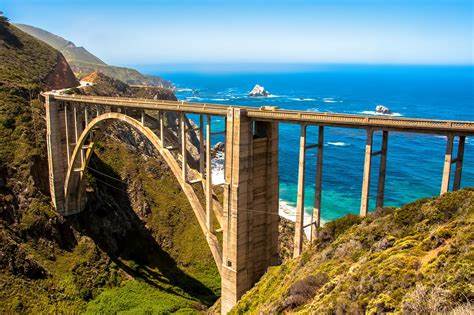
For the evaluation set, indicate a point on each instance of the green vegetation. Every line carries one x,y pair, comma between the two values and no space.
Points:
51,264
415,259
164,209
83,62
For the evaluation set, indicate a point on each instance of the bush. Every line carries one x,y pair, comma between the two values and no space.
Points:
303,290
426,300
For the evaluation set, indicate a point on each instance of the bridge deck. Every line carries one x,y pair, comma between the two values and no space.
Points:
291,116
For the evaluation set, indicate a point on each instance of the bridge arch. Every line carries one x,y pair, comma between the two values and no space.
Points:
75,185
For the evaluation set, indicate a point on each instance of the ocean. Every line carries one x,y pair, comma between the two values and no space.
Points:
415,161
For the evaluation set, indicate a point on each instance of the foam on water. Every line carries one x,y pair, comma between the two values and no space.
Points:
301,99
218,169
288,211
329,100
339,144
374,113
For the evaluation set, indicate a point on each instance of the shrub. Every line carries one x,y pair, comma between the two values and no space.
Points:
303,290
426,300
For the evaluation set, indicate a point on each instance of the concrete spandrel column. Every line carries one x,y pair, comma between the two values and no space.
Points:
382,170
447,165
298,239
459,163
316,217
364,202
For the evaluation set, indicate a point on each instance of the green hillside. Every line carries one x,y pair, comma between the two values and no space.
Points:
135,248
82,62
417,259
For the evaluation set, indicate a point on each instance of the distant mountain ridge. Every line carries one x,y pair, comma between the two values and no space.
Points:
83,62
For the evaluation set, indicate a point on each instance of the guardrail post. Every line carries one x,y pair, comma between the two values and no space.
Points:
364,202
298,241
448,156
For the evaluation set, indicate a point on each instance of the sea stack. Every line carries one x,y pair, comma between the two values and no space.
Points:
258,90
380,109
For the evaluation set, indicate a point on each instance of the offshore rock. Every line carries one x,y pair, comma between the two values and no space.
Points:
258,90
380,109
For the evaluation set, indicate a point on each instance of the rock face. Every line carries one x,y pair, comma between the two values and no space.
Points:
380,109
258,90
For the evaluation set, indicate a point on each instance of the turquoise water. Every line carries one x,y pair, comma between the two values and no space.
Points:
415,161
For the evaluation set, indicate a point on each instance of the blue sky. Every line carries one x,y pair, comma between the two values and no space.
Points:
324,31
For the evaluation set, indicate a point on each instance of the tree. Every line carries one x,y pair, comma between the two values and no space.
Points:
3,19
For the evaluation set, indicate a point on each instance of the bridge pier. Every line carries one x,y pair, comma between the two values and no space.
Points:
459,162
448,161
184,165
208,176
364,202
316,215
299,220
250,240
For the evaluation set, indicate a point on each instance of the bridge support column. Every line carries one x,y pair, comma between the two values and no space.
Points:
364,202
448,156
250,240
184,165
298,241
459,162
57,150
162,128
208,185
382,170
316,217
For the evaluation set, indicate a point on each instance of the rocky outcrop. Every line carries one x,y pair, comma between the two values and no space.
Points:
258,91
380,109
61,77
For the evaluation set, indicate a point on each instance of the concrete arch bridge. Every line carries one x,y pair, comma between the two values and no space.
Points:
248,217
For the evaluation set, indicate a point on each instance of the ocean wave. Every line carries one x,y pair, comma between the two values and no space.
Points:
218,99
217,164
313,109
301,99
374,113
329,100
183,90
194,98
288,211
339,144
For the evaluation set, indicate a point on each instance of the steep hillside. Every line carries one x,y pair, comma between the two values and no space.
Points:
68,49
82,62
120,253
417,259
103,85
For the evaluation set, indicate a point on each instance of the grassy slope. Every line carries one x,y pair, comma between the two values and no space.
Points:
173,225
415,259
